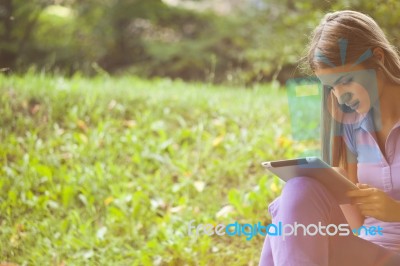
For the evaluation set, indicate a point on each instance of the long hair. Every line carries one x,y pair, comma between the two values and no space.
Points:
361,33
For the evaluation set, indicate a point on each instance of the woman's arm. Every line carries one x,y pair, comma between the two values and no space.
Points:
353,215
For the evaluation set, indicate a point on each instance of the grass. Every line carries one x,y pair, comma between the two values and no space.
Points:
110,171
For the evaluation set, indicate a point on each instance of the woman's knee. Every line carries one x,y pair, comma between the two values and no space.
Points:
302,195
303,191
294,189
303,185
303,181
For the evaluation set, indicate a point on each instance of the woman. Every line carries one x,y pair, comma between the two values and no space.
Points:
360,73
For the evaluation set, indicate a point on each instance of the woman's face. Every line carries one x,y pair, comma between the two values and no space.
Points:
354,86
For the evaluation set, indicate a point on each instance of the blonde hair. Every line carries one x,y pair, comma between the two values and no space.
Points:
361,33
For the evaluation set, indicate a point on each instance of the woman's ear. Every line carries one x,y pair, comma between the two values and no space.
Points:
379,54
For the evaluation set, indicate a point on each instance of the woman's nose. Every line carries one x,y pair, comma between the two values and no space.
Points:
345,97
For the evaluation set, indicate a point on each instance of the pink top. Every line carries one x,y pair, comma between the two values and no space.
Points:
376,170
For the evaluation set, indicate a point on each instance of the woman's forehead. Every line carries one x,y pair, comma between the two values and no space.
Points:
339,69
336,74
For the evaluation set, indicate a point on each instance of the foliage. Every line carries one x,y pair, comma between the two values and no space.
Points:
258,41
109,171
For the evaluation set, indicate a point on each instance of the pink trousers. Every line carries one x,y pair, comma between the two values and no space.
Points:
306,201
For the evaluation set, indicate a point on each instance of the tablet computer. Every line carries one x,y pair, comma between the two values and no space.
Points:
315,168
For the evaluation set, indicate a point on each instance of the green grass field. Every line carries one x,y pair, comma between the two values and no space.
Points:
110,171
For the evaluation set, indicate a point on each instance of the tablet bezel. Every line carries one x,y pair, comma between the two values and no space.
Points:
315,168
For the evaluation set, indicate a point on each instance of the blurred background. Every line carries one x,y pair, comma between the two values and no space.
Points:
122,121
244,42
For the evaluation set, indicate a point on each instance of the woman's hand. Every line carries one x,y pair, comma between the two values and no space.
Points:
375,203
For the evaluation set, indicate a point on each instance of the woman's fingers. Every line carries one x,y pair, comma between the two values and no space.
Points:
367,207
363,200
370,213
361,192
361,186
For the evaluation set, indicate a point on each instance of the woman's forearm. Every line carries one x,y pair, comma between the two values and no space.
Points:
353,215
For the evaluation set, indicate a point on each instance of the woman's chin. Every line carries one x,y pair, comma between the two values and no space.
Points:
362,110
